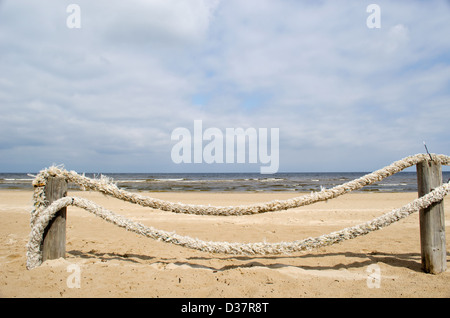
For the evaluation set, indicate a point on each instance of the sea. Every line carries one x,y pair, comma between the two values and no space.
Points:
233,182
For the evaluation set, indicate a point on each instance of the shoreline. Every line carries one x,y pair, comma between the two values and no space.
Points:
225,191
118,263
232,182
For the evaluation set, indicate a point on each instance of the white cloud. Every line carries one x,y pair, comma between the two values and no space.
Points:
115,89
397,38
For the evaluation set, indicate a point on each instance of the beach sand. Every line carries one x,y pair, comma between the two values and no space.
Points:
115,263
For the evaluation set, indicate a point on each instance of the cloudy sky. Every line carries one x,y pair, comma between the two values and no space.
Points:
106,97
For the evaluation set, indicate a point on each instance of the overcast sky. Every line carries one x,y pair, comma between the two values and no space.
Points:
106,97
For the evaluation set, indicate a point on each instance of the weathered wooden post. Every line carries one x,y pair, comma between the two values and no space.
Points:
432,221
54,243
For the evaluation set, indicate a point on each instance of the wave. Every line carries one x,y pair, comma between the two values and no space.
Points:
272,179
217,182
149,180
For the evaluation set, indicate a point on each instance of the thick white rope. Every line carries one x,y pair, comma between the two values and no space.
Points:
106,186
34,253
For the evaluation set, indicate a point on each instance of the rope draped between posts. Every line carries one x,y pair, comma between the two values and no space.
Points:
42,214
262,248
106,186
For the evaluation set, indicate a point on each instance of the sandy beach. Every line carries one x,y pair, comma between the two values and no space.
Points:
115,263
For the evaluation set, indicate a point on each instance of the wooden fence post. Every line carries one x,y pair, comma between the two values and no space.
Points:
432,221
54,242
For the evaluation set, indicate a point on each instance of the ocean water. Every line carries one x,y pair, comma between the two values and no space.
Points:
220,182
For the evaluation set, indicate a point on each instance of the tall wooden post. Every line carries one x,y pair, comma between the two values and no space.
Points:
54,243
432,221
